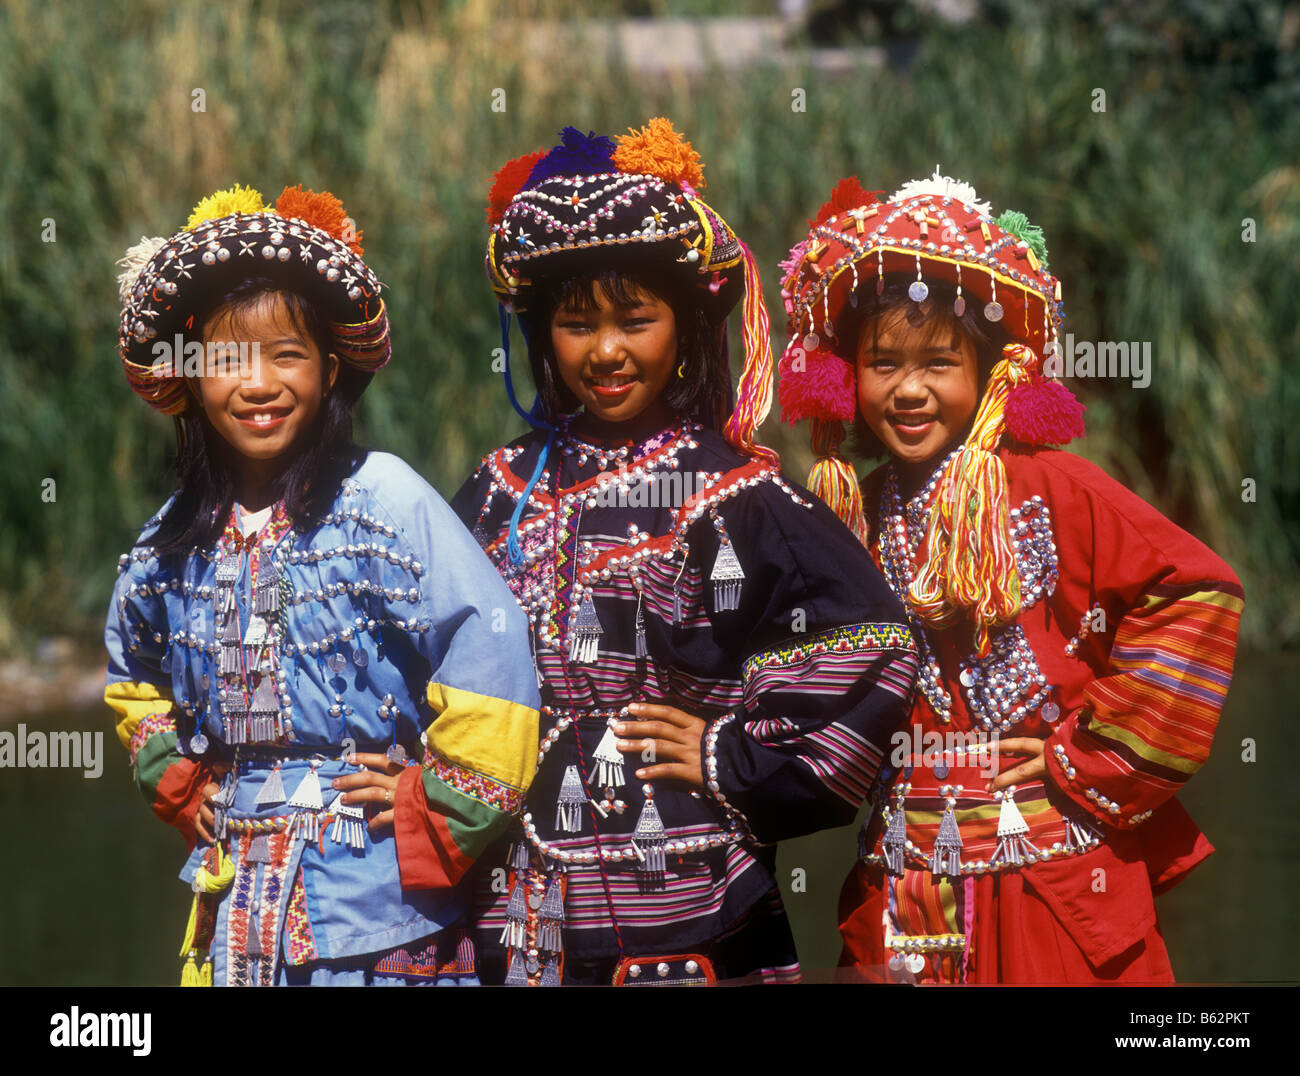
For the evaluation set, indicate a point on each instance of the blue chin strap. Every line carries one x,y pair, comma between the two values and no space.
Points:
534,419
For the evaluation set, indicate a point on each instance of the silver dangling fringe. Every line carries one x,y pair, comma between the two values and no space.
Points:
568,811
515,933
946,856
895,842
550,919
648,839
609,762
585,633
266,599
727,577
1014,847
349,826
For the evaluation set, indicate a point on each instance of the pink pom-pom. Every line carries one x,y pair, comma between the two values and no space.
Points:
816,384
1043,412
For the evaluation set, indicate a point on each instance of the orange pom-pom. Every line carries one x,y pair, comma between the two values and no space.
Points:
658,150
322,211
848,194
508,180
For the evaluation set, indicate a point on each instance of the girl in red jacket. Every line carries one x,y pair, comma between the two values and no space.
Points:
1076,646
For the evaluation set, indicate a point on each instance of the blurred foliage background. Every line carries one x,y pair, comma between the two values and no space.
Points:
389,105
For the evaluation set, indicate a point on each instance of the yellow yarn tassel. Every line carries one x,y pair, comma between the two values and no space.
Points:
970,565
834,480
207,883
754,393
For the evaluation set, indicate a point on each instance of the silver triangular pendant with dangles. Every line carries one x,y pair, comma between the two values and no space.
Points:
568,808
727,575
585,633
609,762
894,844
266,598
648,839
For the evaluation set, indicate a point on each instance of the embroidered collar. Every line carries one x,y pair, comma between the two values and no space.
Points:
233,539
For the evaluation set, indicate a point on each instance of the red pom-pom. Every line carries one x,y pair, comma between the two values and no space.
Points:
507,181
1043,412
816,384
848,194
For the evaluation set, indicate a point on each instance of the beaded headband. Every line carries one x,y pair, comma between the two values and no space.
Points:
305,240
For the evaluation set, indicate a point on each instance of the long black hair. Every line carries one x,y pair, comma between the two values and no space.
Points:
703,391
937,312
205,463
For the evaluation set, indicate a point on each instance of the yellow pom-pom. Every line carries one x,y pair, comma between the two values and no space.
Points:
658,150
234,199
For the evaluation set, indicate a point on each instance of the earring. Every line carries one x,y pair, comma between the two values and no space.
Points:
681,369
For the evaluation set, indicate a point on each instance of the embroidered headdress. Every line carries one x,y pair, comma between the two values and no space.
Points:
629,201
934,229
306,240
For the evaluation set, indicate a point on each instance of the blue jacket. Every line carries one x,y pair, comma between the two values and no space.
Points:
387,626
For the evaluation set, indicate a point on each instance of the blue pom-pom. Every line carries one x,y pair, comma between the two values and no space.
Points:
577,154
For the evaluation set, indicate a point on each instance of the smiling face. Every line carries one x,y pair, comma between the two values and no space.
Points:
616,357
265,415
918,385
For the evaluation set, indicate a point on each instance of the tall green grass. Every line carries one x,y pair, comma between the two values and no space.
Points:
390,106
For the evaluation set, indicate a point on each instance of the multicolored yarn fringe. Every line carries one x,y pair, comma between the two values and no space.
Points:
970,565
754,393
833,478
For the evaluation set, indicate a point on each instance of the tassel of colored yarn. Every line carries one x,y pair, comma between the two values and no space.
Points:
970,564
833,478
754,393
205,882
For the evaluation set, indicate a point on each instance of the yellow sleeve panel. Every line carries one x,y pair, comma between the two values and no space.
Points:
494,737
133,702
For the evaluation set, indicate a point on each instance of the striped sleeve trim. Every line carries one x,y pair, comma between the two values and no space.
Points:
1172,666
842,760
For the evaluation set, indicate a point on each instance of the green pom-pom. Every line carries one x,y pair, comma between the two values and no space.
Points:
1017,224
